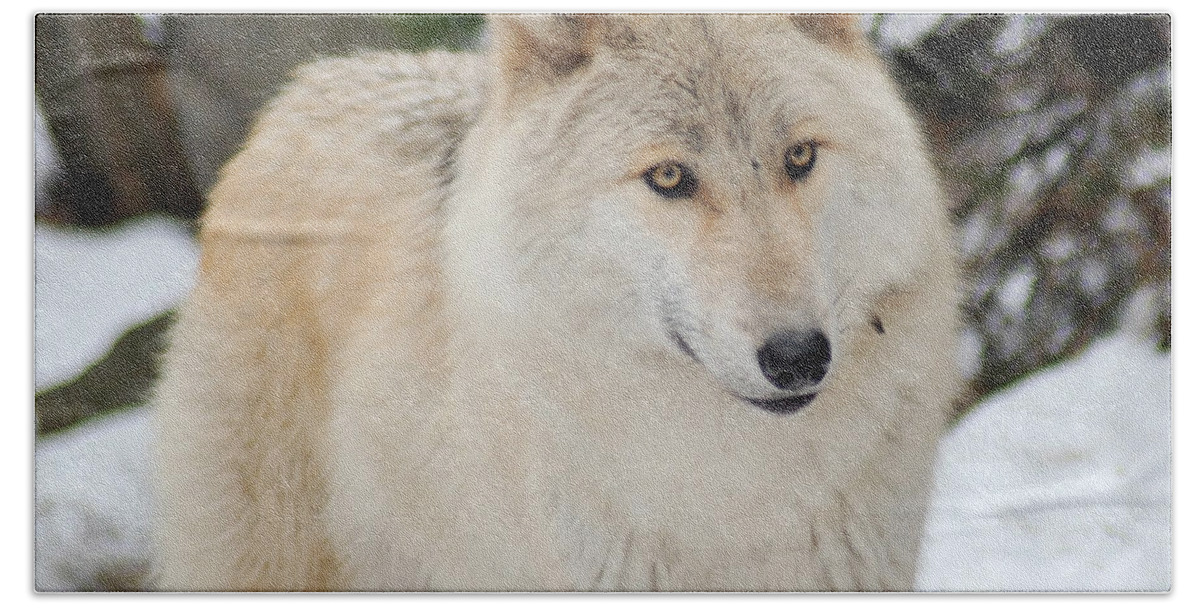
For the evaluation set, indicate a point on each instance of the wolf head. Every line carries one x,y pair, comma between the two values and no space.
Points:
740,191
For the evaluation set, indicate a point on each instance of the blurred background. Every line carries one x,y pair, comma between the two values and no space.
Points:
1053,133
1054,136
136,115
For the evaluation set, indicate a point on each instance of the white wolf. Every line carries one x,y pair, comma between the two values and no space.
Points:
630,302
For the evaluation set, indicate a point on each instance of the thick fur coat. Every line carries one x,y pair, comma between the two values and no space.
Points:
628,302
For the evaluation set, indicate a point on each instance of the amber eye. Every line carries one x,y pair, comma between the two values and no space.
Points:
799,159
671,180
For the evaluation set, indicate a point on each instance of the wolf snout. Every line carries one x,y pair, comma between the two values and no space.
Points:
793,359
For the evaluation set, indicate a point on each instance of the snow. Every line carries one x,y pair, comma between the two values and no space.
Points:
1055,160
970,352
93,502
1019,30
92,286
1017,289
1150,167
1061,483
46,162
1058,247
92,483
906,29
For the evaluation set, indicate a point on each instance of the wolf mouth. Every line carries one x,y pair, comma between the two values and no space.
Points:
782,406
786,405
683,345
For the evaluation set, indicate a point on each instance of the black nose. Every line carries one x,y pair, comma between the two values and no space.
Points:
793,359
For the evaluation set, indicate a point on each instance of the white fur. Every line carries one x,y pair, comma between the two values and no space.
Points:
390,381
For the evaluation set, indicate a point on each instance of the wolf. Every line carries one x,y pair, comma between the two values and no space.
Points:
624,302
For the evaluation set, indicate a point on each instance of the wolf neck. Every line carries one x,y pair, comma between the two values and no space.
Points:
520,273
524,289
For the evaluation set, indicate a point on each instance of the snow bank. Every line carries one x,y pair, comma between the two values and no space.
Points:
1062,483
93,504
89,287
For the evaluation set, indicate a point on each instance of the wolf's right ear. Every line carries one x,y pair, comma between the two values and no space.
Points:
534,49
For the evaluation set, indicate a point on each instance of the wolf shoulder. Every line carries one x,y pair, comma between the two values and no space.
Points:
350,141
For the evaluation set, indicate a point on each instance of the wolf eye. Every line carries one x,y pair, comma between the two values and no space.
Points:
671,180
799,159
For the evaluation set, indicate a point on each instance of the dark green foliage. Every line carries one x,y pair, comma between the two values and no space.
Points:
124,376
448,31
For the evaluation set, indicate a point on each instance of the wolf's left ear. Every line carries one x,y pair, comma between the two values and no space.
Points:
841,31
534,49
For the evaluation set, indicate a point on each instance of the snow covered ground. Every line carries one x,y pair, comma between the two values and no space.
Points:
92,483
89,287
92,512
1062,482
